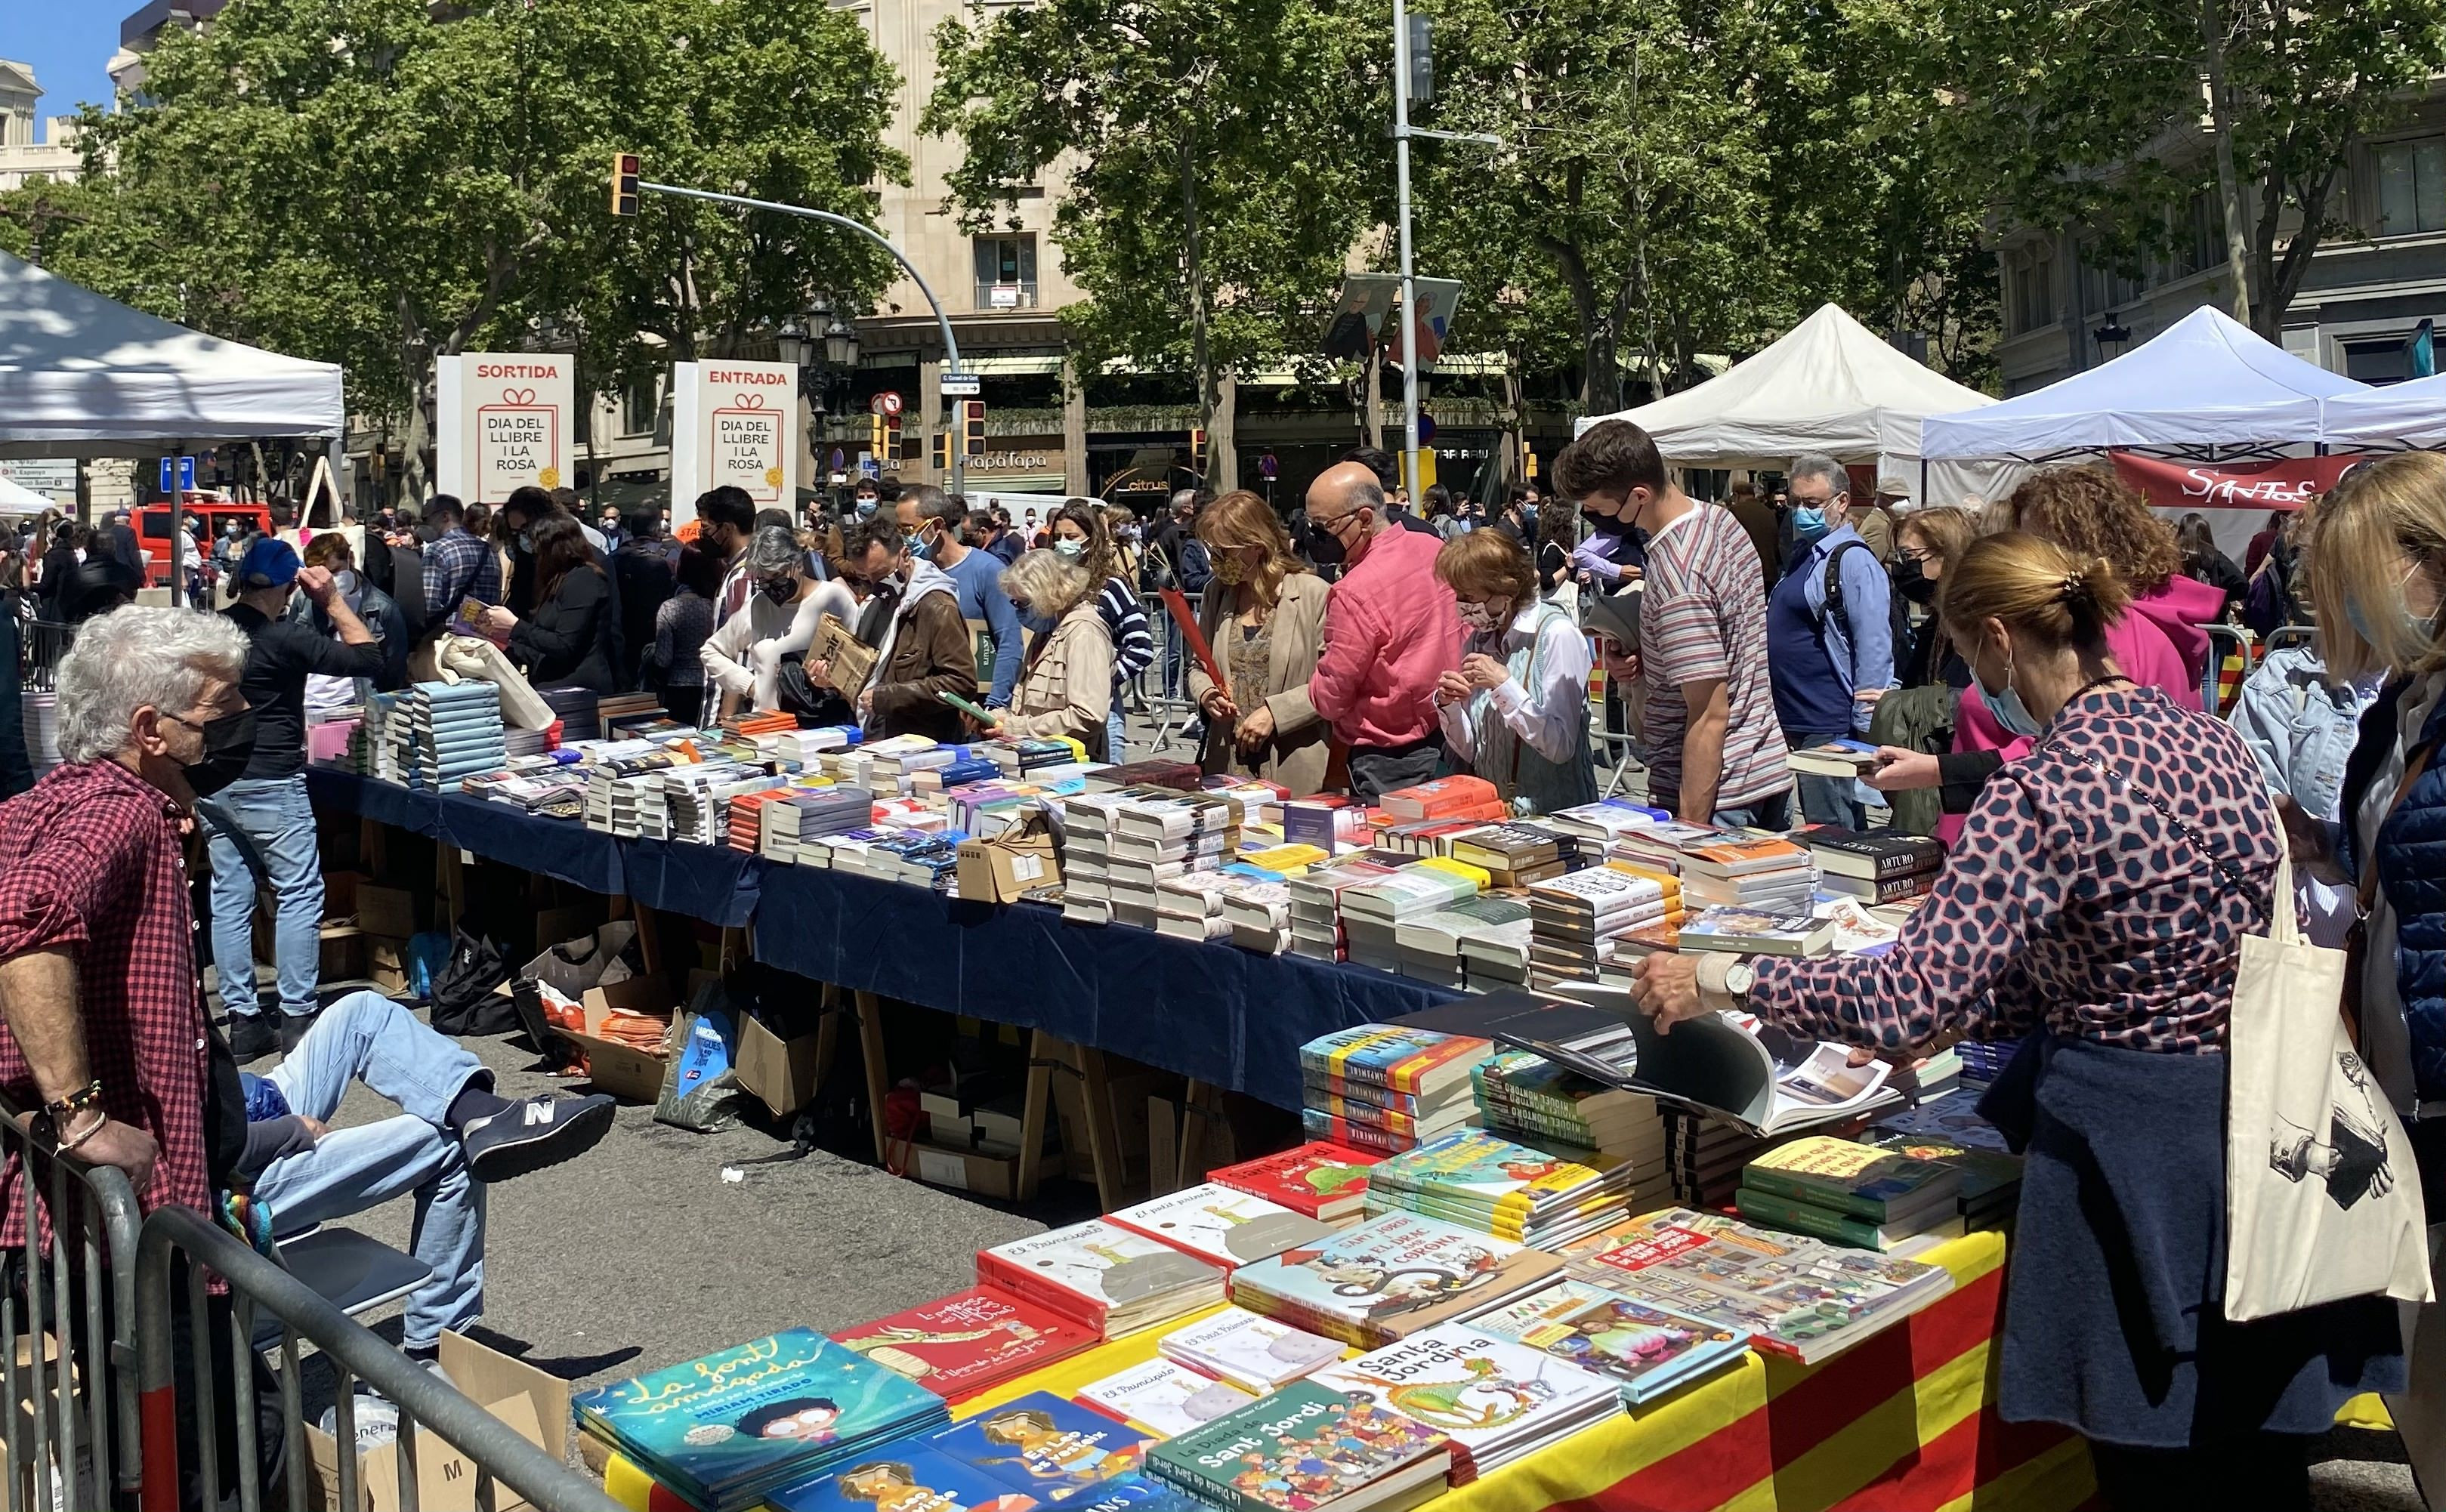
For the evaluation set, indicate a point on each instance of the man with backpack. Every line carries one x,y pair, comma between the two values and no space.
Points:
1829,633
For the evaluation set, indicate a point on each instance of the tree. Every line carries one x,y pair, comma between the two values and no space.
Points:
1215,170
2091,113
357,181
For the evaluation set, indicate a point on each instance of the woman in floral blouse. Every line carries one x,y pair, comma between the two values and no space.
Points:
2093,905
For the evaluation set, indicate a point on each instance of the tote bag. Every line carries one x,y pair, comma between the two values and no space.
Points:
2322,1202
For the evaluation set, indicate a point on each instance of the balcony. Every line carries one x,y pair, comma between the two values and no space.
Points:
1015,295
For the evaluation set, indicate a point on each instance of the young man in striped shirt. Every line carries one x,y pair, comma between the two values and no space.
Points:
1714,752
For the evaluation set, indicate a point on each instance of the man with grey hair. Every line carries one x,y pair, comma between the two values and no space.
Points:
1391,631
743,658
1829,633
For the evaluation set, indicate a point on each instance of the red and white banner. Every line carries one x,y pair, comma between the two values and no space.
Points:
2286,483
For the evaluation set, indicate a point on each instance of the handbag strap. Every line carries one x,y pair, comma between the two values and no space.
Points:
2227,868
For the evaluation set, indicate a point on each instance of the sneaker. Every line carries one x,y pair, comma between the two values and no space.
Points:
292,1029
533,1133
252,1036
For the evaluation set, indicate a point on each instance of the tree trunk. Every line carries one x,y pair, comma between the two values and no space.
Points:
1222,448
1210,397
2237,250
1371,420
1516,442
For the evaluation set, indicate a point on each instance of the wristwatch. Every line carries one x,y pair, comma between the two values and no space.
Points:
1738,978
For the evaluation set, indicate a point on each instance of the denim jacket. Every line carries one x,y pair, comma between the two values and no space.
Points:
2301,729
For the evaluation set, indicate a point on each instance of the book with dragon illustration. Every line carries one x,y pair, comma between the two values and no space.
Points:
1325,1180
1494,1398
1473,1169
1216,1223
959,1345
1305,1448
1647,1350
1044,1446
1388,1276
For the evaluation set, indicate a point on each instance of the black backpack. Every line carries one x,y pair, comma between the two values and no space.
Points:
464,999
1897,611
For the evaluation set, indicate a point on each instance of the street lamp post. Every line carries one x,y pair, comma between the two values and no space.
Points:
1403,131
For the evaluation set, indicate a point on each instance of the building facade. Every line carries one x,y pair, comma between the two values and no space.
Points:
26,152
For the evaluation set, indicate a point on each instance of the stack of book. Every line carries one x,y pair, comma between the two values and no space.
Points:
968,1342
1018,757
1257,1354
1390,1278
1794,1296
700,799
1496,1399
618,711
1033,1450
727,1431
1644,1349
453,732
1755,932
1258,917
1705,1157
800,814
1854,759
1601,828
1499,1186
1748,871
1849,1193
1877,868
1457,797
1155,837
1954,1133
1315,905
579,712
1437,947
1104,1277
1372,912
1383,1087
1220,1225
1087,831
1528,1097
1322,1180
1575,918
1307,1449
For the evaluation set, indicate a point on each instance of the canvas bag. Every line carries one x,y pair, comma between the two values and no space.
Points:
322,490
2322,1201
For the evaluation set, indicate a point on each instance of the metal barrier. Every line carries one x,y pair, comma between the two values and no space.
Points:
47,641
493,1448
1174,711
2224,640
73,1405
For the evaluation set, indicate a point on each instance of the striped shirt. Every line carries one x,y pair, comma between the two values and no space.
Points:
1702,618
1133,642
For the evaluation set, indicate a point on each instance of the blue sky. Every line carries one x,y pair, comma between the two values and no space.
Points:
68,42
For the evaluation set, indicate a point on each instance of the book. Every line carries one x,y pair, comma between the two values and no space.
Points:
1749,932
1164,1396
1774,1210
1514,1185
959,1345
1835,759
1754,1077
1325,1182
1883,853
1644,1349
1868,1183
1495,1398
1420,1062
905,1477
728,1429
1442,796
1794,1294
1389,1277
1106,1278
1257,1354
1306,1449
1044,1446
1219,1225
1877,891
848,661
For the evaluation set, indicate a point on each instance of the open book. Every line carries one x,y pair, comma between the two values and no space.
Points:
1756,1077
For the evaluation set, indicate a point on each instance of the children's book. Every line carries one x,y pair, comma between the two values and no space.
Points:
1044,1446
1389,1277
1325,1182
903,1476
1091,1272
1645,1348
1416,1061
1216,1223
1306,1449
1164,1396
1495,1399
1253,1353
956,1346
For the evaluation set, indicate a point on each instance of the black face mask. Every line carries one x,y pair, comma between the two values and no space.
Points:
1324,548
229,745
1912,581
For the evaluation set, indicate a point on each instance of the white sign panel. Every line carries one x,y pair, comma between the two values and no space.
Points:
734,425
56,479
507,421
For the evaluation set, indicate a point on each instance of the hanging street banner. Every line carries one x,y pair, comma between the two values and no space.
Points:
505,421
734,425
2282,483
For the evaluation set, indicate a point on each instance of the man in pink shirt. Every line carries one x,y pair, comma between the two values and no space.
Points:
1390,631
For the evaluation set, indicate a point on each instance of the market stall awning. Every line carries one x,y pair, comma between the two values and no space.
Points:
2205,381
86,376
2410,414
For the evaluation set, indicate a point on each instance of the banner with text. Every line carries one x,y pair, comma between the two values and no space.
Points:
2284,483
505,421
734,425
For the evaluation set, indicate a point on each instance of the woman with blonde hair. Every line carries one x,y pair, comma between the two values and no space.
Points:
1065,689
1263,616
2378,576
1517,711
2097,908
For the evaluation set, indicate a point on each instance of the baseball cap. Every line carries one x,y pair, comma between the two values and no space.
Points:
271,562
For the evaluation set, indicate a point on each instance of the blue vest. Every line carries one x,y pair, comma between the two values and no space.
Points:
1809,699
2412,870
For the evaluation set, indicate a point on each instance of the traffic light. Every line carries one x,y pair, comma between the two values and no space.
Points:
943,449
879,438
625,170
972,427
1197,452
1529,463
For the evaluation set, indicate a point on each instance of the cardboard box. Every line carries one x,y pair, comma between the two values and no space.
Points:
965,1171
535,1406
999,869
386,964
386,910
778,1073
340,894
623,1070
585,959
342,953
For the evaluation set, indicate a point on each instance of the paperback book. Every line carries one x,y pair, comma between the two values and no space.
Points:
1495,1398
1389,1277
1307,1449
1044,1446
959,1345
1216,1223
1644,1349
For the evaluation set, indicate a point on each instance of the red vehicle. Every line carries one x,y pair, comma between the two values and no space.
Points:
153,529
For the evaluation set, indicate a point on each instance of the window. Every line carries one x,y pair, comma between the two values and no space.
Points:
2411,186
2387,361
640,408
1005,272
2031,298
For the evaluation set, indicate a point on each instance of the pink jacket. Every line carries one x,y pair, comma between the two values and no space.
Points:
1390,630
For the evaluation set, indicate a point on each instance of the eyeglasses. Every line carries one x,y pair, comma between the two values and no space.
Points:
1913,553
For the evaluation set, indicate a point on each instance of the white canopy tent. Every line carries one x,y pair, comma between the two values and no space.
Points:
83,376
2206,380
2411,414
1830,384
16,498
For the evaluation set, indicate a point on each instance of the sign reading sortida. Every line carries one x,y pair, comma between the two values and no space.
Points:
506,421
734,425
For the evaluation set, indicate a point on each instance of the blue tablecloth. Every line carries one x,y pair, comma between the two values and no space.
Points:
1221,1014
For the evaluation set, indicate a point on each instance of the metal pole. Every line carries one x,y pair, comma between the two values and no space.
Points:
178,507
942,322
1409,294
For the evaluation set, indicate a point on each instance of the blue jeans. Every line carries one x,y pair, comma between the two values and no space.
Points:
262,832
1115,736
365,1037
1175,663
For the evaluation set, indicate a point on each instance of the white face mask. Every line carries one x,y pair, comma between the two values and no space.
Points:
1070,546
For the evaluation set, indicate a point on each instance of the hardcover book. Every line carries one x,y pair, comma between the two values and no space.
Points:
1044,1446
1494,1398
904,1476
1646,1350
1092,1271
1306,1449
959,1345
1389,1277
1255,1353
1164,1396
1327,1182
1216,1223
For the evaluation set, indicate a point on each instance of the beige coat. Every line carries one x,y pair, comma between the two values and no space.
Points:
1301,750
1066,687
